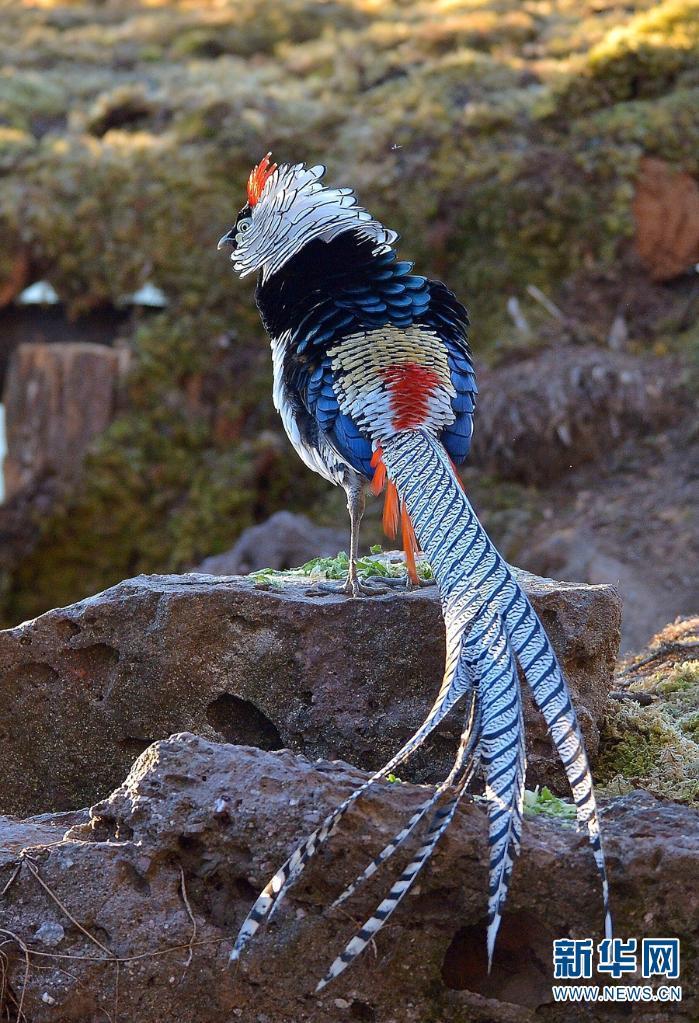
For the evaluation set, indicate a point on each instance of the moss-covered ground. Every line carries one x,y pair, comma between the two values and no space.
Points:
651,736
501,138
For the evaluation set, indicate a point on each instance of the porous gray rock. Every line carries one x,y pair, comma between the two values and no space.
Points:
163,872
87,687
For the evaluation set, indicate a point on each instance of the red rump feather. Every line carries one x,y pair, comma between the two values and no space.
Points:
258,178
409,389
410,544
394,511
391,511
379,479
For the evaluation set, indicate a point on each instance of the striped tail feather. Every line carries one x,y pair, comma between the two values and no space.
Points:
440,822
548,687
504,764
464,761
494,735
476,583
455,685
396,842
489,621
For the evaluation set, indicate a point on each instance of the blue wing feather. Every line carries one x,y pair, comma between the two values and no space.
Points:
387,294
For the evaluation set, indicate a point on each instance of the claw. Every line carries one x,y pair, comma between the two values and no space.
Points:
351,587
370,586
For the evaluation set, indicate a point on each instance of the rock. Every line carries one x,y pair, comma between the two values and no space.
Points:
158,868
543,416
58,398
87,687
283,541
50,933
41,830
666,210
575,553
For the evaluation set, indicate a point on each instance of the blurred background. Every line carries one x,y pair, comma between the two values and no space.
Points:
541,157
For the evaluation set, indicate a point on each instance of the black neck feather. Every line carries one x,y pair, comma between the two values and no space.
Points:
321,270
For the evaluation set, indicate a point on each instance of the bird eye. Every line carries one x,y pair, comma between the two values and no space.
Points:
243,226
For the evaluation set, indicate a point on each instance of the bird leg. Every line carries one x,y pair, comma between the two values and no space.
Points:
356,499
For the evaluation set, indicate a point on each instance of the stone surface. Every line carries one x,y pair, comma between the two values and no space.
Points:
562,407
575,553
285,540
58,398
666,210
86,688
179,851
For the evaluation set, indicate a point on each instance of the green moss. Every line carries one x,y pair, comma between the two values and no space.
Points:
644,59
657,746
170,482
502,141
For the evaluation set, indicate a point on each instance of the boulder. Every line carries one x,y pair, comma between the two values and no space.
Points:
575,552
666,210
130,915
86,688
560,408
283,541
58,398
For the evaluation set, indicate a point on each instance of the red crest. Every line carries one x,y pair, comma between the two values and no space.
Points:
258,178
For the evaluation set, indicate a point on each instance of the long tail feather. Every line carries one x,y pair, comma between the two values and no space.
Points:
465,765
550,691
464,761
504,762
486,654
489,621
441,821
456,684
474,580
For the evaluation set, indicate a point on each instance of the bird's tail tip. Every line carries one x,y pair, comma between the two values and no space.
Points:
493,928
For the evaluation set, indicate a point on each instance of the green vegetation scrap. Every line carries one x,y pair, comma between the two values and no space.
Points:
376,566
541,802
501,138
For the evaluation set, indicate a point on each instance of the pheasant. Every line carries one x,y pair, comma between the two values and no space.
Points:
375,385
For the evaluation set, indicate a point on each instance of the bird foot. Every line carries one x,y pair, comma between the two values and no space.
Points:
352,587
370,586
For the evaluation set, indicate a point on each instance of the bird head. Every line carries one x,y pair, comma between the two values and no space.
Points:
287,207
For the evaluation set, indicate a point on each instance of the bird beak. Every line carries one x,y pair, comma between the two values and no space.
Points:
228,239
